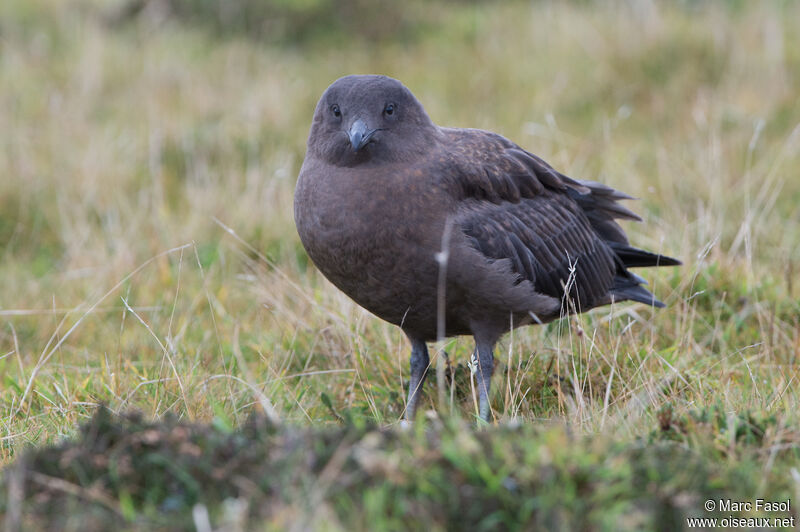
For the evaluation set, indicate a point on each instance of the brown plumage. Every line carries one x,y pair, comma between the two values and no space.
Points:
383,189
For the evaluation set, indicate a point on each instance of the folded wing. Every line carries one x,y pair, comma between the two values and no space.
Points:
558,233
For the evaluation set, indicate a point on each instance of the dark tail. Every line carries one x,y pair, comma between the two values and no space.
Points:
601,207
638,258
628,289
628,285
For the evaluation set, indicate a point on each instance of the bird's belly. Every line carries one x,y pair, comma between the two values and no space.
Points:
385,274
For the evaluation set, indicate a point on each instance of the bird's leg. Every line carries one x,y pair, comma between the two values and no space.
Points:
484,353
419,368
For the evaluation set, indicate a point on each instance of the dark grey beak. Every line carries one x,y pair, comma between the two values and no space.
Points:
359,134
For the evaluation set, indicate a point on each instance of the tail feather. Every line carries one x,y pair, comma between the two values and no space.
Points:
625,290
638,258
599,203
628,285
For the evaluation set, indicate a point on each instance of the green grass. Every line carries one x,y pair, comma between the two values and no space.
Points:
441,475
149,261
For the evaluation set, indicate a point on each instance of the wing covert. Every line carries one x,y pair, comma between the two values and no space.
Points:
486,166
548,241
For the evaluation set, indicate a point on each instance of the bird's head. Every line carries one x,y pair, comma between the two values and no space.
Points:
369,120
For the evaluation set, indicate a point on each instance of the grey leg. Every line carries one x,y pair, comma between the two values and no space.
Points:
419,368
485,350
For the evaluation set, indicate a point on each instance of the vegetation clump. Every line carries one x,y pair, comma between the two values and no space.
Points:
440,475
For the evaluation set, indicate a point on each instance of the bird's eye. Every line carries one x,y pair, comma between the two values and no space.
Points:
336,111
389,109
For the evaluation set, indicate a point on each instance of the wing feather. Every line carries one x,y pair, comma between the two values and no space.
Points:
546,239
514,206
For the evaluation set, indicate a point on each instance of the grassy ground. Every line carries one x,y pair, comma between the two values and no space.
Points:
149,259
